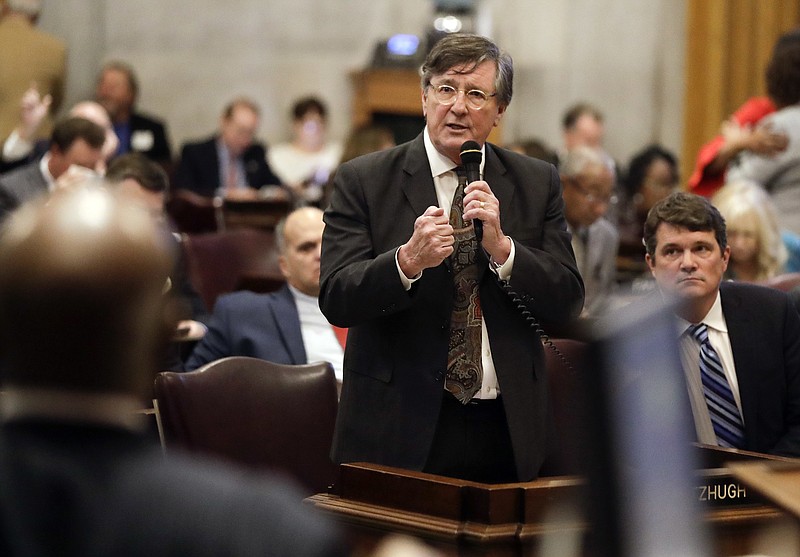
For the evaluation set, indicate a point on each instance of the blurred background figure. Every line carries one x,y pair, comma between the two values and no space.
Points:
758,251
230,163
588,185
18,150
739,134
29,60
364,139
305,163
583,125
779,173
117,90
76,147
535,148
652,175
84,274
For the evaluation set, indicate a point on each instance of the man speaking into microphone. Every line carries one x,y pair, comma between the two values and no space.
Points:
442,371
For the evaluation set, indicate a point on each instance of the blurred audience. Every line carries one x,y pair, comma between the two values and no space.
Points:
83,318
305,163
535,148
652,175
18,151
758,252
362,140
779,173
588,184
230,163
741,133
117,90
76,147
29,59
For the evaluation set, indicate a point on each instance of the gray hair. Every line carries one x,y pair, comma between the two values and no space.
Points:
31,8
578,159
462,49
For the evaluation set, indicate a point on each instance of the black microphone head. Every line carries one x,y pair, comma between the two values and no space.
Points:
471,152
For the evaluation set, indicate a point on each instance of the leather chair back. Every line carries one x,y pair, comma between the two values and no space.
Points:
255,413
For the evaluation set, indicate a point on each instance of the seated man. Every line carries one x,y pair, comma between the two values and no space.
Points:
117,89
75,149
287,326
83,316
146,183
588,186
741,343
230,163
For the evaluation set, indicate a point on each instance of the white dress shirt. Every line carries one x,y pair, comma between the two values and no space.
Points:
690,358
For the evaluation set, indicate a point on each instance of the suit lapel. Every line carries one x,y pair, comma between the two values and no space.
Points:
745,356
417,184
287,321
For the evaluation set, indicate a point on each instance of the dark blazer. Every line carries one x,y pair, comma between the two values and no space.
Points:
159,150
69,489
21,185
244,323
396,353
198,169
764,330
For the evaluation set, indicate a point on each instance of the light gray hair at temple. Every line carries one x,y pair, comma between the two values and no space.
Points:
578,159
30,8
469,51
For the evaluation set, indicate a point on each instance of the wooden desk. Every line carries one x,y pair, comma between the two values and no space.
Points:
467,518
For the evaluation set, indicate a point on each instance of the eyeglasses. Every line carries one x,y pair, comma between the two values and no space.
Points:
590,196
447,95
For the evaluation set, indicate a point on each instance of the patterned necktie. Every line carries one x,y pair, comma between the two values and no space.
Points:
722,407
464,370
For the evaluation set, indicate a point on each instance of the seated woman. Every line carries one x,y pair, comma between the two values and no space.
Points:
652,175
758,252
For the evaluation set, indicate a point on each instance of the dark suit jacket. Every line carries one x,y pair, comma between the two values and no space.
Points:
159,150
764,330
396,353
21,185
69,489
198,169
244,323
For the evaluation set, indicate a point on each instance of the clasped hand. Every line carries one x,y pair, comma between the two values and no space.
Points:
432,240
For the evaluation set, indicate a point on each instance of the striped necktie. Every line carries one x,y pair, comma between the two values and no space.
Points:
722,407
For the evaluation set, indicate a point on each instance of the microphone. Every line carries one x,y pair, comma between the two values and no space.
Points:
471,161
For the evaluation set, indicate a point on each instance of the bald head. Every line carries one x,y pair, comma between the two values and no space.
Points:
299,238
82,304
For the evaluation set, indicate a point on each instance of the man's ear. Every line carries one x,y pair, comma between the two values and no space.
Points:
651,262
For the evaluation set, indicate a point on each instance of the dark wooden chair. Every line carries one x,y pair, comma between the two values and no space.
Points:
222,262
569,408
192,213
255,413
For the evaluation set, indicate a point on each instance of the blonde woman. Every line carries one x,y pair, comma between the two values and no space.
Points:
757,250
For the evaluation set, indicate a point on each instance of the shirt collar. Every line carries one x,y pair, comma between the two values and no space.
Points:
44,167
714,319
439,163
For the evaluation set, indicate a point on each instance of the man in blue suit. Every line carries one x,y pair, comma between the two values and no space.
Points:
286,326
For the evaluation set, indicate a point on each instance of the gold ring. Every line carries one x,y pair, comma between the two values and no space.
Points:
483,204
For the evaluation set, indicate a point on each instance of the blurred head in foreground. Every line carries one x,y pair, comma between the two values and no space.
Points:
82,293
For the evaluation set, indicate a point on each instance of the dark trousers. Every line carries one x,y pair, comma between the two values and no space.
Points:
472,442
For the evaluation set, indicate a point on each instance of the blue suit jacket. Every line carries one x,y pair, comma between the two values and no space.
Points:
244,323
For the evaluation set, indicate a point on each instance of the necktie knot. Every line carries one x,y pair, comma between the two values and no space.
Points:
699,332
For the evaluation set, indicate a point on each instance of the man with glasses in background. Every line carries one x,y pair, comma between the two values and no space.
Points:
588,187
442,370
